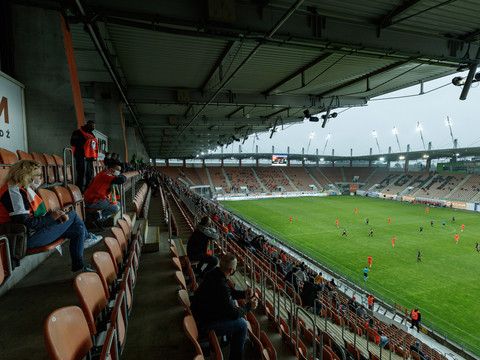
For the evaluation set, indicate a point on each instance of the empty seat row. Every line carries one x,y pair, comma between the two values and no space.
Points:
98,328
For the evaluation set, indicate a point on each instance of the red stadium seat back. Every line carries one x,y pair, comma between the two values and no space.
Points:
110,346
115,251
7,157
66,334
190,328
51,168
64,196
120,236
89,289
123,224
181,279
215,350
128,219
77,199
22,155
272,353
59,164
184,300
119,320
5,265
50,199
105,269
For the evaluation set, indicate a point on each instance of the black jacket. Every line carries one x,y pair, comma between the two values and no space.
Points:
78,140
213,300
198,242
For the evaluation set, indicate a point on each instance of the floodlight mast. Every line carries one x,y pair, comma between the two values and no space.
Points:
312,134
326,142
419,129
375,135
395,132
448,123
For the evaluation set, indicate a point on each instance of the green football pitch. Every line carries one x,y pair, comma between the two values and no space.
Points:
445,285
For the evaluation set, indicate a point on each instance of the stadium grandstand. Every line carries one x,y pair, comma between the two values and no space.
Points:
168,83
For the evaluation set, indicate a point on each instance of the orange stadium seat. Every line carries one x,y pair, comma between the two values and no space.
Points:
93,301
66,334
106,270
64,198
77,199
22,155
115,252
184,300
7,158
5,266
51,204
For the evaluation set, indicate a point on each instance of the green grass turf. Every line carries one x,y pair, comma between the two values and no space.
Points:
445,285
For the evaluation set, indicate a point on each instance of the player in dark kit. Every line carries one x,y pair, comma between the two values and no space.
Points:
371,232
419,256
421,228
344,232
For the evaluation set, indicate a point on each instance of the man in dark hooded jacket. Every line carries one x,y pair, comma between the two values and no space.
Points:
198,243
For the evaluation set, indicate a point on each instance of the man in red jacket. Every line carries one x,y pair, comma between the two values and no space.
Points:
101,193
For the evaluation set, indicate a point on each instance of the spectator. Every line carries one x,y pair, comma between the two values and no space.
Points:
310,294
371,302
214,309
198,244
107,159
20,204
383,339
361,312
85,150
415,347
300,274
102,194
416,318
291,278
352,305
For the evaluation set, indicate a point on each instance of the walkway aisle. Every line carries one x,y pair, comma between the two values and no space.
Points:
155,329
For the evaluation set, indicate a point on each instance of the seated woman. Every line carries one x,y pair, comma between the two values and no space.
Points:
20,204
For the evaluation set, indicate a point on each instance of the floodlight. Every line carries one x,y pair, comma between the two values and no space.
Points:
382,159
394,131
401,157
374,133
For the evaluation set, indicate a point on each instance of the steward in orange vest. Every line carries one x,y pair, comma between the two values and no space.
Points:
416,317
371,301
85,149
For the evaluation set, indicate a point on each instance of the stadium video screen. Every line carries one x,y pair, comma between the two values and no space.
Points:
279,160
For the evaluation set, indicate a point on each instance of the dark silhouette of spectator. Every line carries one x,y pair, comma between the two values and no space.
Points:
214,309
85,150
198,244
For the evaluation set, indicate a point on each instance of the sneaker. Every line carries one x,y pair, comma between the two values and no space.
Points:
84,268
92,240
98,223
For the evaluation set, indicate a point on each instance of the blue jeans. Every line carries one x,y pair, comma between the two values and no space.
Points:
237,329
107,208
383,341
74,229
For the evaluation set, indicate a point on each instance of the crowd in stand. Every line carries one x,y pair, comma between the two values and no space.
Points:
314,290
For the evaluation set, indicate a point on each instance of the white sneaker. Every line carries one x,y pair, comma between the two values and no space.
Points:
92,240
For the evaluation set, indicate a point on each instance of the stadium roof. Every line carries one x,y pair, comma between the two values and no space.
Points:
198,74
452,153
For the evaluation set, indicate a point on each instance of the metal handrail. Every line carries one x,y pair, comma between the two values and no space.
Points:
65,167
